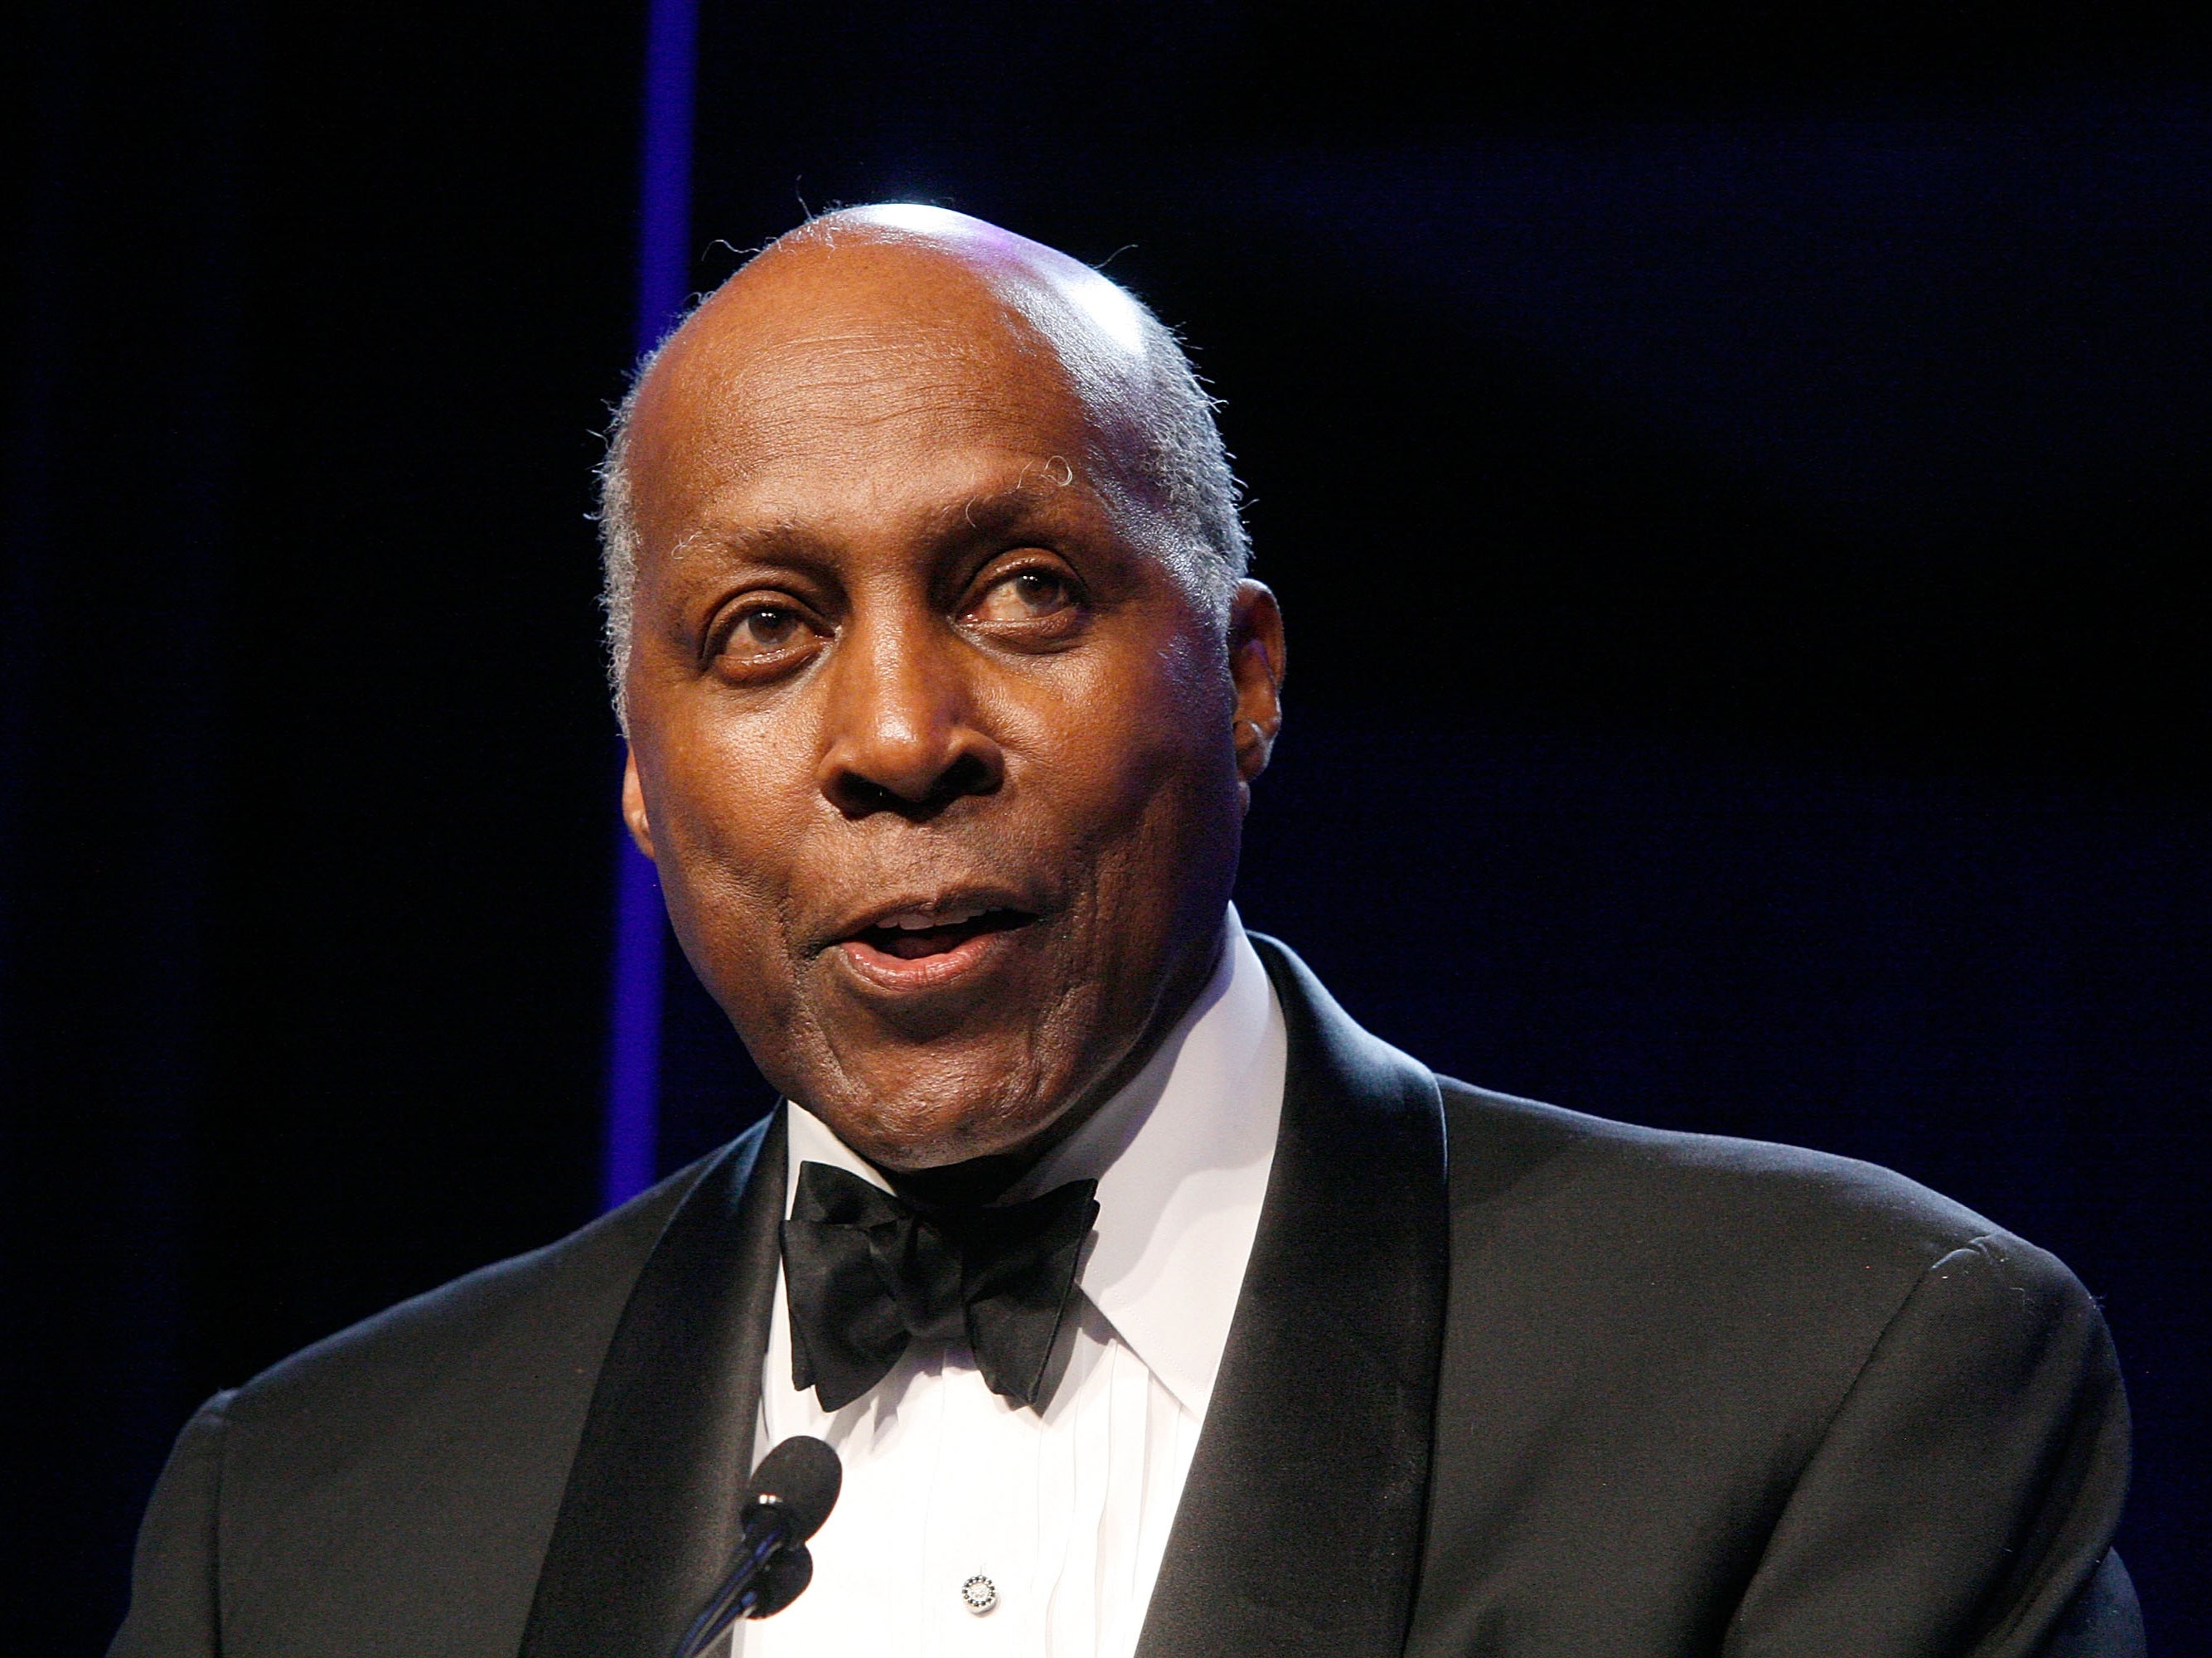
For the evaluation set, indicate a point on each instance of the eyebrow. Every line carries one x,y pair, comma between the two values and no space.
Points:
783,541
995,512
1003,509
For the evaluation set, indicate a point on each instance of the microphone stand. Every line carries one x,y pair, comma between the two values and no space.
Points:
772,1568
785,1501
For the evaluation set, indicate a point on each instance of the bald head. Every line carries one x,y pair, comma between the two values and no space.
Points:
931,293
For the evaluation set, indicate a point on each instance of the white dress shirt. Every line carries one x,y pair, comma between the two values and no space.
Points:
1056,1521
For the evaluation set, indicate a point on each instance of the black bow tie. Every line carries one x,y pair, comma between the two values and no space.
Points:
867,1273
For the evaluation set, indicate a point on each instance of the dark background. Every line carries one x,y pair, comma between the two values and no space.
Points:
1737,476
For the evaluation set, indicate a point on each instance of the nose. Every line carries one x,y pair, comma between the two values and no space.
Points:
903,732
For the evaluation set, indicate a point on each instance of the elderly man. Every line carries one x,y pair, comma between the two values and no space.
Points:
1152,1305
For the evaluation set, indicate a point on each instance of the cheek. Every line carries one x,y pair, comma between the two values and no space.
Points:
1139,762
721,808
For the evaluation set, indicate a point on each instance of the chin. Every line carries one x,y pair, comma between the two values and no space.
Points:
929,1123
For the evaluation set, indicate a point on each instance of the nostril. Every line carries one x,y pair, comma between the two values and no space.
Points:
966,773
856,796
969,774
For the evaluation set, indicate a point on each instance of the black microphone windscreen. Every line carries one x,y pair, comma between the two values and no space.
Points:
803,1474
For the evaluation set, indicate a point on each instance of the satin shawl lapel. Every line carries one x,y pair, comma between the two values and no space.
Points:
649,1518
1300,1526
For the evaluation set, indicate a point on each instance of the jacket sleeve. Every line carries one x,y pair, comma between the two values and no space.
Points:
175,1612
1962,1502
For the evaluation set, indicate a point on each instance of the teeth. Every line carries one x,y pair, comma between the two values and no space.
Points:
915,921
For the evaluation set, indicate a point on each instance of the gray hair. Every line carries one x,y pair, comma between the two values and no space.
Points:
1180,460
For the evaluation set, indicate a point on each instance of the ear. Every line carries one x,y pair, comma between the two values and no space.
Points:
633,807
1255,669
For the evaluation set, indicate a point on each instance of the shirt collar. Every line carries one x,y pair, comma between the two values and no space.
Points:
1180,1154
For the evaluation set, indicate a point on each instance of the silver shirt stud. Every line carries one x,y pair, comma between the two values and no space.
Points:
979,1594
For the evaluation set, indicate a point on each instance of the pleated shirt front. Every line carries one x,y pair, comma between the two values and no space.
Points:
971,1527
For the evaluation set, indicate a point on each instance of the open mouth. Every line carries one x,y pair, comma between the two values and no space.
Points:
911,937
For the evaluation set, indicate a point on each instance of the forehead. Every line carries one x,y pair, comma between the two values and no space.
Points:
831,381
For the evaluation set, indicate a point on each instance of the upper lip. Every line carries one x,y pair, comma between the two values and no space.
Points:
947,907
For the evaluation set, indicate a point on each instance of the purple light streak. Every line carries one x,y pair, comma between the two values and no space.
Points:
663,270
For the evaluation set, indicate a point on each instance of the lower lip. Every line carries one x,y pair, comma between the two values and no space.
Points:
923,973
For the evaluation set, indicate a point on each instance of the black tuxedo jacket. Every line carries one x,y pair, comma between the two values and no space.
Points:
1503,1379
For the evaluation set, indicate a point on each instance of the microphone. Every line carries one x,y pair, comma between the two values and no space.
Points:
785,1503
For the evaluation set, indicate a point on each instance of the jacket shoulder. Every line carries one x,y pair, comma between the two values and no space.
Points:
1740,1270
565,1295
1703,1192
391,1490
1678,1365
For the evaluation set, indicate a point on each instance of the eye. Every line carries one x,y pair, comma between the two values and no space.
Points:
764,635
765,629
1025,596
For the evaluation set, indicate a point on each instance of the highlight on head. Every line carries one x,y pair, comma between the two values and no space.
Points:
1120,358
